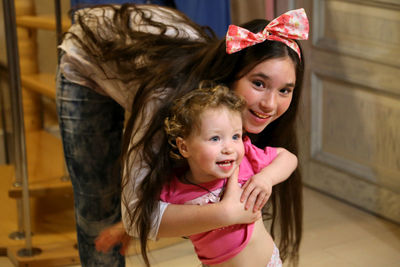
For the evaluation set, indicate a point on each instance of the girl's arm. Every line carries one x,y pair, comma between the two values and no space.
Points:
258,189
185,220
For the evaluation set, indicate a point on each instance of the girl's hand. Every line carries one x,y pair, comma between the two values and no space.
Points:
256,192
235,209
111,237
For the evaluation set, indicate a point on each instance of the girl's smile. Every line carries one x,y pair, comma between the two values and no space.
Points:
260,115
268,90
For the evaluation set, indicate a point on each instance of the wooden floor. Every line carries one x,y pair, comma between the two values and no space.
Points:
335,234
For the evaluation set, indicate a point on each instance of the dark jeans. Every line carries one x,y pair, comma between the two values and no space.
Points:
91,129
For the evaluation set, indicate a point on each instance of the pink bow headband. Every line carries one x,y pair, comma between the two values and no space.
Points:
293,25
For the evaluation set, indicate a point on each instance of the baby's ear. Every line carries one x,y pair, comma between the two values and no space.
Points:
181,144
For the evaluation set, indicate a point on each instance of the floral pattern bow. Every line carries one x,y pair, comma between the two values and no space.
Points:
293,25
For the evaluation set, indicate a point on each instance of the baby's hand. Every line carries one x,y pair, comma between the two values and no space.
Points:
256,192
234,208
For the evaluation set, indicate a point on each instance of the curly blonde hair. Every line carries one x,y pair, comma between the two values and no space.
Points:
185,113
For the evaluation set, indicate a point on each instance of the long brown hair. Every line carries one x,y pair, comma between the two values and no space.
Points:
153,62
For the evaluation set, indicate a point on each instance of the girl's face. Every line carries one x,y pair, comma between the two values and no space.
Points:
215,149
268,90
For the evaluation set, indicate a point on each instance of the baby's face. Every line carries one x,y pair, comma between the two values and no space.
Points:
216,149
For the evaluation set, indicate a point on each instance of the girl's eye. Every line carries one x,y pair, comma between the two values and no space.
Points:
236,137
286,91
258,84
214,138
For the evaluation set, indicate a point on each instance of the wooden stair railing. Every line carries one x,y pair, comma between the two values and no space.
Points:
51,195
51,198
41,146
40,84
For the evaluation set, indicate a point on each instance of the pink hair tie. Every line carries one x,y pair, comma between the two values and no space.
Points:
293,25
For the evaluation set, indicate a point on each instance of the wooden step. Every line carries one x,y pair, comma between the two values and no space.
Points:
46,168
42,83
45,22
58,254
52,218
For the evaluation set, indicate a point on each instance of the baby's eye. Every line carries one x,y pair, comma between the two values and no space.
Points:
236,137
214,138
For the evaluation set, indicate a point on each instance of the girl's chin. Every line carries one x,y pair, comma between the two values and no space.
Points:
254,129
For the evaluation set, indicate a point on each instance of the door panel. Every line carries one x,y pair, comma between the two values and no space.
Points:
350,113
355,28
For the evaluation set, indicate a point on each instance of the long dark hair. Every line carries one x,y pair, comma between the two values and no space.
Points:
172,65
285,207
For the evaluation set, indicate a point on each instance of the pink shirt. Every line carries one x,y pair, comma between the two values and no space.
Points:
220,244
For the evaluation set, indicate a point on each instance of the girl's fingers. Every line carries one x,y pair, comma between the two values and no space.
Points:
252,199
246,191
261,200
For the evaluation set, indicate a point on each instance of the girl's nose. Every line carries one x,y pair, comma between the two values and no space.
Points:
269,101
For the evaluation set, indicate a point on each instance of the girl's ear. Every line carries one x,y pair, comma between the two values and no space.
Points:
181,144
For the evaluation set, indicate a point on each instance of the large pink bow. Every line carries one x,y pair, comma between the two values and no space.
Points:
293,25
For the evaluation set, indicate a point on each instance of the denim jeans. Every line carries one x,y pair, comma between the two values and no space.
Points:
91,129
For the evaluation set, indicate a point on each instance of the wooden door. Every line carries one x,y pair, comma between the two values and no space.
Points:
350,113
